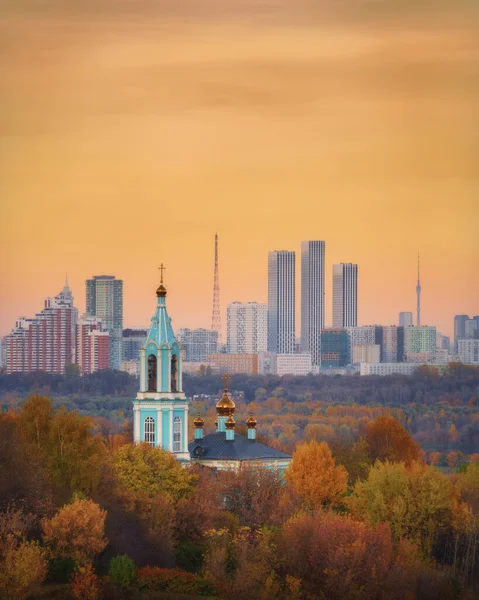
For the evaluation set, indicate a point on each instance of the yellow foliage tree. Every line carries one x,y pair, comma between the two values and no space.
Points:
22,568
315,477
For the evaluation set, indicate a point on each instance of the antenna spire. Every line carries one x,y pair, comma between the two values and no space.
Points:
216,315
418,294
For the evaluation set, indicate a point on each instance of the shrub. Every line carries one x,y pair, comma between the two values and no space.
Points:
85,584
173,581
122,571
189,556
60,571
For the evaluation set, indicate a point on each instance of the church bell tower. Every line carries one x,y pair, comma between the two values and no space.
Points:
160,410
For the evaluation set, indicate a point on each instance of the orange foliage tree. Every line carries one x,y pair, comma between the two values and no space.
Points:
434,458
344,558
315,477
388,440
76,532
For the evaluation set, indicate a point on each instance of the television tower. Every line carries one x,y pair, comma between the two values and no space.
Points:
216,316
418,294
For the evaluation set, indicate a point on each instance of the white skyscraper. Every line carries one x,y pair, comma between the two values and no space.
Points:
247,327
405,319
345,295
312,298
281,301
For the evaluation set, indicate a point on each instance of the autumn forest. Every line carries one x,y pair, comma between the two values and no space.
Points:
380,501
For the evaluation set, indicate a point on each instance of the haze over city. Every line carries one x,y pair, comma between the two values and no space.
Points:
129,137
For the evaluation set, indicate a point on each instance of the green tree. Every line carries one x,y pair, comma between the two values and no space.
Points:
122,571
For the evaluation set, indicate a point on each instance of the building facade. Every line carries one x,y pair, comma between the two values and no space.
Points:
367,334
197,344
160,410
468,351
392,344
247,328
46,342
233,363
281,301
132,340
345,295
104,299
401,368
293,364
92,345
405,319
334,348
459,329
366,353
419,339
312,298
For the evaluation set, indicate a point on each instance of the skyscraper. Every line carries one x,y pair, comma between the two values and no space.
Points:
247,324
459,329
405,319
312,298
92,345
104,299
392,345
345,295
281,301
196,344
46,342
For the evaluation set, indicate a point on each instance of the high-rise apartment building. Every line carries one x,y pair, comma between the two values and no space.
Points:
468,351
281,301
419,340
132,340
334,348
345,295
366,353
367,334
405,319
312,298
197,344
459,328
470,327
92,345
46,342
104,299
247,328
392,345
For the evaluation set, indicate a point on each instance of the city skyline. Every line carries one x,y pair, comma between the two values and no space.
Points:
133,318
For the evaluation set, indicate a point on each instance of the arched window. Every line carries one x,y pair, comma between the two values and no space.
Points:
150,431
174,373
177,435
152,373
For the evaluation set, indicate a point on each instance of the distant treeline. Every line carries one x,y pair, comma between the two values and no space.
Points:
460,383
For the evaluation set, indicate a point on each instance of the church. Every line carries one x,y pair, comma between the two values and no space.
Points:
160,410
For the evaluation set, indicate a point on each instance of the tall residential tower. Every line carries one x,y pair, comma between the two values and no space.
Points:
312,298
104,299
345,295
281,301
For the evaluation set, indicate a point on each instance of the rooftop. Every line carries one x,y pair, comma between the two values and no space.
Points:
216,447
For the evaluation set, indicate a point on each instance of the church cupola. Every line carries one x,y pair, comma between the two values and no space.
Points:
160,410
251,424
199,424
225,407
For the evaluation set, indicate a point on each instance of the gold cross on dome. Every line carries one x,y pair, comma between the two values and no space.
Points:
198,406
161,268
226,378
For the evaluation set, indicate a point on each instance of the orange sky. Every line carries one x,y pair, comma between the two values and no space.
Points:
127,138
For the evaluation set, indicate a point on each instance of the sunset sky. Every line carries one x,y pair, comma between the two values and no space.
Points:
132,131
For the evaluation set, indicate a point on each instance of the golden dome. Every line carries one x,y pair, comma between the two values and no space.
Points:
251,422
199,421
225,406
161,291
230,423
